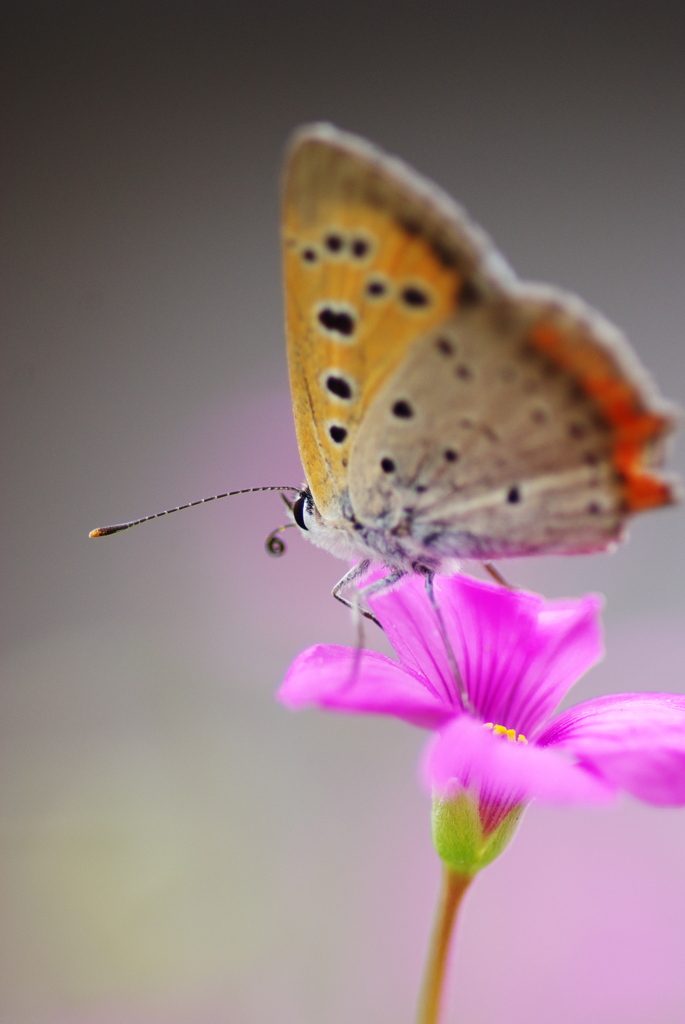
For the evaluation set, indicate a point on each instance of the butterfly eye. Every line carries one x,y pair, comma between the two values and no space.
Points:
298,512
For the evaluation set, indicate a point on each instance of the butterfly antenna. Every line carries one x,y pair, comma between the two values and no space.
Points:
104,531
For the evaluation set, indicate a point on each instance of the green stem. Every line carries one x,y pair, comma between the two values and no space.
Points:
453,888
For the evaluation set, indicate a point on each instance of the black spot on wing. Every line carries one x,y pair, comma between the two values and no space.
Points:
339,387
376,288
414,297
337,433
337,321
402,409
334,242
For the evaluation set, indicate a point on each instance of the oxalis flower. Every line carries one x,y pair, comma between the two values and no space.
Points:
497,743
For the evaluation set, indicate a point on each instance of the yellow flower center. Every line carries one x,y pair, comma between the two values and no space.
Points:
501,730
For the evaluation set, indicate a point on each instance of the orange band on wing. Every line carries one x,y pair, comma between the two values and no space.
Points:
621,405
644,491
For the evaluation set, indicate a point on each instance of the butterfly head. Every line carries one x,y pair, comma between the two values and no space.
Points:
318,529
342,535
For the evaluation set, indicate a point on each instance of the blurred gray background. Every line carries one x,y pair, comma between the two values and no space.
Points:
176,847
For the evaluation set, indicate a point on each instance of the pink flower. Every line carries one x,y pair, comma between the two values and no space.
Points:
517,655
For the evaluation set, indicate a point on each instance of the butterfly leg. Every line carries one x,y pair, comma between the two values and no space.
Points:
378,586
497,576
458,679
355,573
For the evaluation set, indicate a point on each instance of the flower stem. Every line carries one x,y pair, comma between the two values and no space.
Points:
453,888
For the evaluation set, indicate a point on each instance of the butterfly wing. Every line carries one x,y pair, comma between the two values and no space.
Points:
450,409
531,430
373,258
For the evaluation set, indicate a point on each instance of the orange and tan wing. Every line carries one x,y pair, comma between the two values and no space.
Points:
373,258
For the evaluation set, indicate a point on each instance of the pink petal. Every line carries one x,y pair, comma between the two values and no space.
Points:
635,740
517,653
361,682
465,754
412,628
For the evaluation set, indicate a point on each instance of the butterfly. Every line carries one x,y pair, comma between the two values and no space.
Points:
444,409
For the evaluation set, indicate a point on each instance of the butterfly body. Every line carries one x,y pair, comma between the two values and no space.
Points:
445,410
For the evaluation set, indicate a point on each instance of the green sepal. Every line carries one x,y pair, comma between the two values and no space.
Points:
458,833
